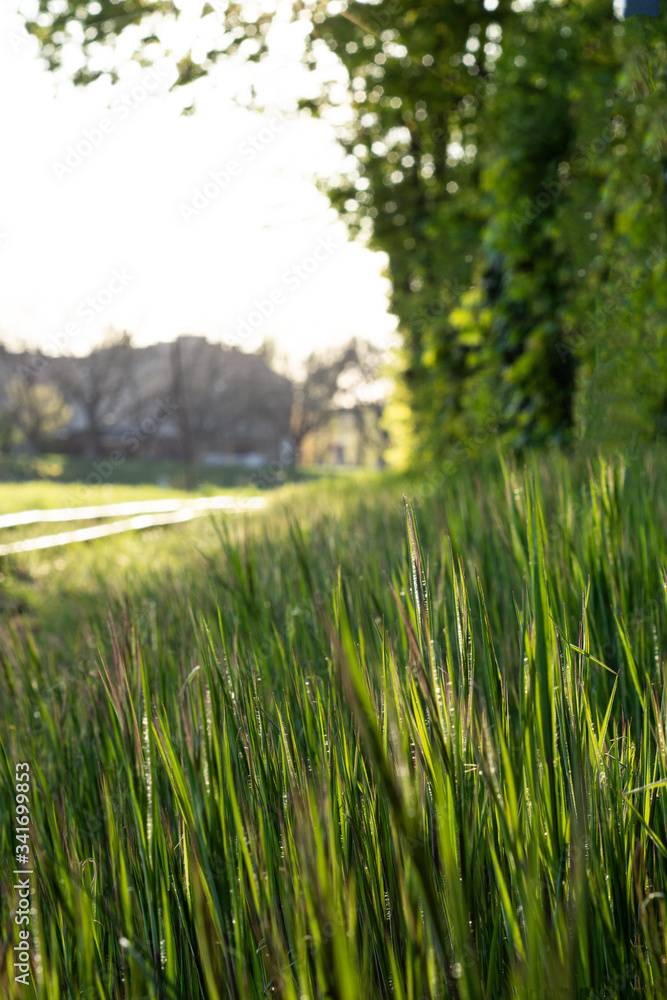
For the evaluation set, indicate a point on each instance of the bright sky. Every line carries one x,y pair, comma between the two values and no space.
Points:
116,225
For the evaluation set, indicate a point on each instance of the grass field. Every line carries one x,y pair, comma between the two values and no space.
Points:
79,478
343,748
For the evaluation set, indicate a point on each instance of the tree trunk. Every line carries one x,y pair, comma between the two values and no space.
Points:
183,419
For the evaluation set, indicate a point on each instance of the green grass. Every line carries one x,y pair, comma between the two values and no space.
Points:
342,748
49,495
85,478
56,481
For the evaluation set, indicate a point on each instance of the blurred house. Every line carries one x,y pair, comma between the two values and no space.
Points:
350,436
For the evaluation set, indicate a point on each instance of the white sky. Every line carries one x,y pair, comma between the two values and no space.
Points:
120,209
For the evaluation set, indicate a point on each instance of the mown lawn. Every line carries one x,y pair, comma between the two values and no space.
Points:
340,748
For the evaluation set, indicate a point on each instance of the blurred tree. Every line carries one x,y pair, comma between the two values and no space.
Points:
509,157
622,340
222,395
329,379
7,432
97,383
182,402
37,410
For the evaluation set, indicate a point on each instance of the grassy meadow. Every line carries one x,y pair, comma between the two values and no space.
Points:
347,746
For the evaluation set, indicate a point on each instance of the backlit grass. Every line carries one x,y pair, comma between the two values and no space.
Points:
350,747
